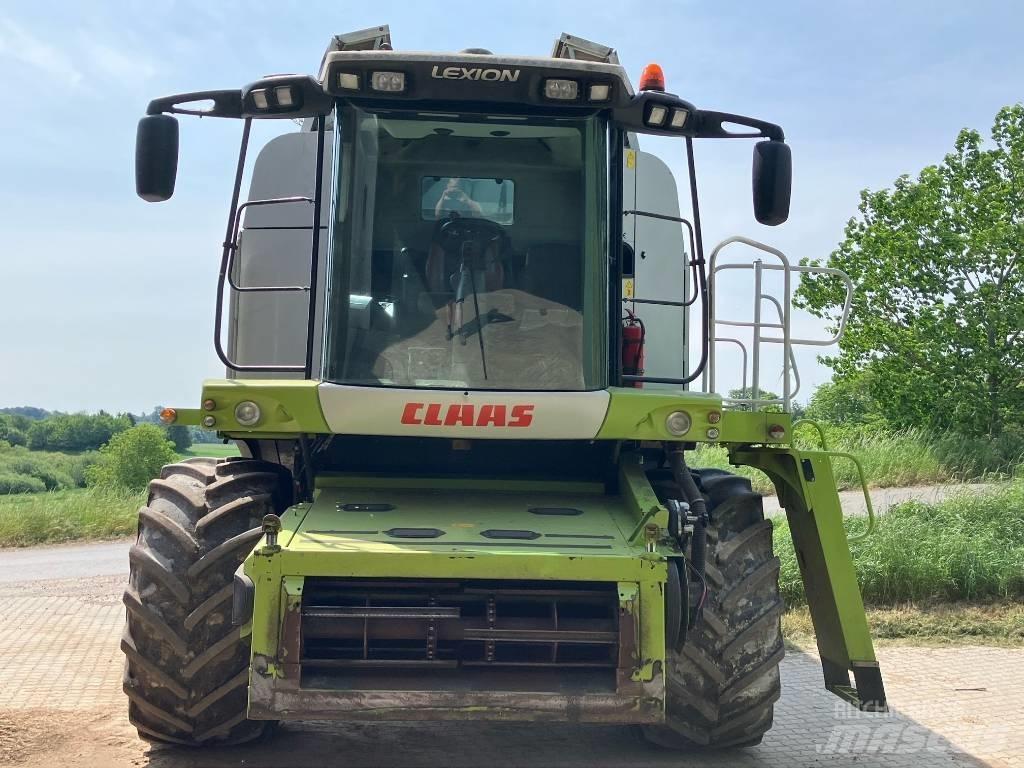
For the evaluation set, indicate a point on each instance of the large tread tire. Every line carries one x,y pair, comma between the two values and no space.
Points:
186,666
721,689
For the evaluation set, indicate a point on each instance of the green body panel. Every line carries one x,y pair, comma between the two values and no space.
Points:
188,417
323,540
288,407
291,407
339,480
639,414
807,490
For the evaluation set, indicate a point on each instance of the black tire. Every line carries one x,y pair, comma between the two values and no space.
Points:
721,689
186,667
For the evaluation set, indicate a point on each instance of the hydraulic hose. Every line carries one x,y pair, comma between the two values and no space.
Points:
698,512
692,495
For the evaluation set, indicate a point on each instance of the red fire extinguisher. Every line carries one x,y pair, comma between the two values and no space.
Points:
633,347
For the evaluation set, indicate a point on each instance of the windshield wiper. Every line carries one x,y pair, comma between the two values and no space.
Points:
490,316
460,299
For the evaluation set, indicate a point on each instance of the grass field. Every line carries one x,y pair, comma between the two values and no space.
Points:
997,623
56,516
80,513
217,450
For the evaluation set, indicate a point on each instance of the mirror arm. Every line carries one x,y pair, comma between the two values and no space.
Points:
226,103
709,125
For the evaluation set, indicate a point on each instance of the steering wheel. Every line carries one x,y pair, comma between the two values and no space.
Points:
456,230
470,242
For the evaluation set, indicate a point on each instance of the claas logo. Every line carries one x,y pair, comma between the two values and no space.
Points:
466,415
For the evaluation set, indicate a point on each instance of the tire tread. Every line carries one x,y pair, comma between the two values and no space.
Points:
722,686
186,666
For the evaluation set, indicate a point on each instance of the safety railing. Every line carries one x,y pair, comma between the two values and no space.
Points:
861,477
762,329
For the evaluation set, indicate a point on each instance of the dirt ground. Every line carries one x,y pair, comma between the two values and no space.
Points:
61,705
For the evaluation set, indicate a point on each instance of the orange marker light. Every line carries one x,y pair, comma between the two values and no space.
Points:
653,79
168,415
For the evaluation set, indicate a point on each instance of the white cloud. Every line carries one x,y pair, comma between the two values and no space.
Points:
117,64
20,45
73,64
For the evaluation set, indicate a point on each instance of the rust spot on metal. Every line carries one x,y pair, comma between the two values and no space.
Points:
291,639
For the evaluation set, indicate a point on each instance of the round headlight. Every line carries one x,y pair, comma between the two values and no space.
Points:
247,413
678,423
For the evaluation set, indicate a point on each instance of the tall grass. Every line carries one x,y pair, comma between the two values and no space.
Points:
904,458
967,547
56,516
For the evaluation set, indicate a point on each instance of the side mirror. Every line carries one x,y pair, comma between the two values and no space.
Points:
156,157
773,182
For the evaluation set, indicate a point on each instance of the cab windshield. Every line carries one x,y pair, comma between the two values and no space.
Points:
468,252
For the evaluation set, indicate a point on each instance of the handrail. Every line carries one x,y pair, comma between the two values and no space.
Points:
758,325
755,380
234,247
847,304
743,349
860,476
693,263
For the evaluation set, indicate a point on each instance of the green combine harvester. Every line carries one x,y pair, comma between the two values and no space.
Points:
459,364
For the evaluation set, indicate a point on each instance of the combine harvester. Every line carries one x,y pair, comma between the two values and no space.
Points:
458,305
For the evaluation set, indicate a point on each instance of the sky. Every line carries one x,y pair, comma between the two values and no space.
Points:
107,301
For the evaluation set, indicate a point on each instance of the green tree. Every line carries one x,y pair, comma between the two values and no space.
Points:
132,457
180,436
75,431
744,393
848,401
938,310
11,432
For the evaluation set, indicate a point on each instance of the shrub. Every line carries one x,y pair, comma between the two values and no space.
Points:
57,471
12,434
12,483
132,458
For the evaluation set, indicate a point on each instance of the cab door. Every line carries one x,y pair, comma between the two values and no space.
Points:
660,251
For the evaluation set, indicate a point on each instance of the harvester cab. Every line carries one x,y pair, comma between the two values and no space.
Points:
459,372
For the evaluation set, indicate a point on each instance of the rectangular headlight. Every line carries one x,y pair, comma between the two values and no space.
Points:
259,99
285,96
388,82
348,81
679,118
563,90
600,92
657,114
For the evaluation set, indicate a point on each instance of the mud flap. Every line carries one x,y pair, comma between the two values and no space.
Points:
807,490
